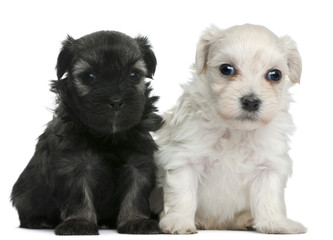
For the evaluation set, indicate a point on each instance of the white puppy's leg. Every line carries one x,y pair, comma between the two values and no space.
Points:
268,206
180,200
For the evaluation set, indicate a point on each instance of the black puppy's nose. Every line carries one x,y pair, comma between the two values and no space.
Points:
250,103
116,103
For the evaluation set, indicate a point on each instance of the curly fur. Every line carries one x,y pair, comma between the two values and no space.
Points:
93,166
222,166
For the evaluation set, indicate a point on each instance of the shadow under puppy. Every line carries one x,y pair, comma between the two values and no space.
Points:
93,166
223,150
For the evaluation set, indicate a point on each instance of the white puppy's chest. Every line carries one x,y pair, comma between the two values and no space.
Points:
225,179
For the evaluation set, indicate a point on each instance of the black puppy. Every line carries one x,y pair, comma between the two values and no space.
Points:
93,166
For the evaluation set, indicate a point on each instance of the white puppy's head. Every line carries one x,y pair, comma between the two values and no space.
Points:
248,69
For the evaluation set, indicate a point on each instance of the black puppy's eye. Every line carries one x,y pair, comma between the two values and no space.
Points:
227,69
135,76
274,75
88,77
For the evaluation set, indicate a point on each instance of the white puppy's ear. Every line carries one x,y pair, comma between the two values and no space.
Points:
209,36
294,59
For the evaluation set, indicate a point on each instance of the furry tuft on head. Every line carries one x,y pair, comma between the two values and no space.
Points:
65,57
148,55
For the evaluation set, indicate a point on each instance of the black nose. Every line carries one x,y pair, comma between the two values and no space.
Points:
250,103
116,103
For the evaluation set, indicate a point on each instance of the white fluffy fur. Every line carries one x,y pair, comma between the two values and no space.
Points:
216,170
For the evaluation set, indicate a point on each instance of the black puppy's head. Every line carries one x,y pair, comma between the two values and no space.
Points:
101,79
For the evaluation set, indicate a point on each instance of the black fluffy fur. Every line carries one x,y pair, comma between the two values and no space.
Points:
93,166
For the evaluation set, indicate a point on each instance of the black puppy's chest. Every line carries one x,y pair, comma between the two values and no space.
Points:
107,151
75,149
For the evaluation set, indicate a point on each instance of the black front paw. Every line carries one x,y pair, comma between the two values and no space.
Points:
76,227
140,226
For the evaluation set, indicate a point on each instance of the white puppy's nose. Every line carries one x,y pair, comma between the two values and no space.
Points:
250,103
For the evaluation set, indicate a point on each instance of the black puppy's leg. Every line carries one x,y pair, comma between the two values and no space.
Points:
138,180
35,206
78,214
31,197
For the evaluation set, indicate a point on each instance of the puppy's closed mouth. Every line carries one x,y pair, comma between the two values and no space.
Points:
248,117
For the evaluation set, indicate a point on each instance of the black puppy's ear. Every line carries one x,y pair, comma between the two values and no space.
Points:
148,55
65,57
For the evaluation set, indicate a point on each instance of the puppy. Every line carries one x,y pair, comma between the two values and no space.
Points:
93,166
223,159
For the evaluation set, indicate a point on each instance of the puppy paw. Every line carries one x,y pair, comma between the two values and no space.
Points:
76,227
177,225
140,226
286,226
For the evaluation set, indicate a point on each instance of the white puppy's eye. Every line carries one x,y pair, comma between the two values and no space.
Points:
274,75
227,69
88,77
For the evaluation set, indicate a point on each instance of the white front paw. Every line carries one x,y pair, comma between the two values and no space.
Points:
282,226
175,224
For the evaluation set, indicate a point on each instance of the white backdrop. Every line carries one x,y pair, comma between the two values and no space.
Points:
30,36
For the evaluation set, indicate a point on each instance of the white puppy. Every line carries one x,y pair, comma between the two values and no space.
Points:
223,160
